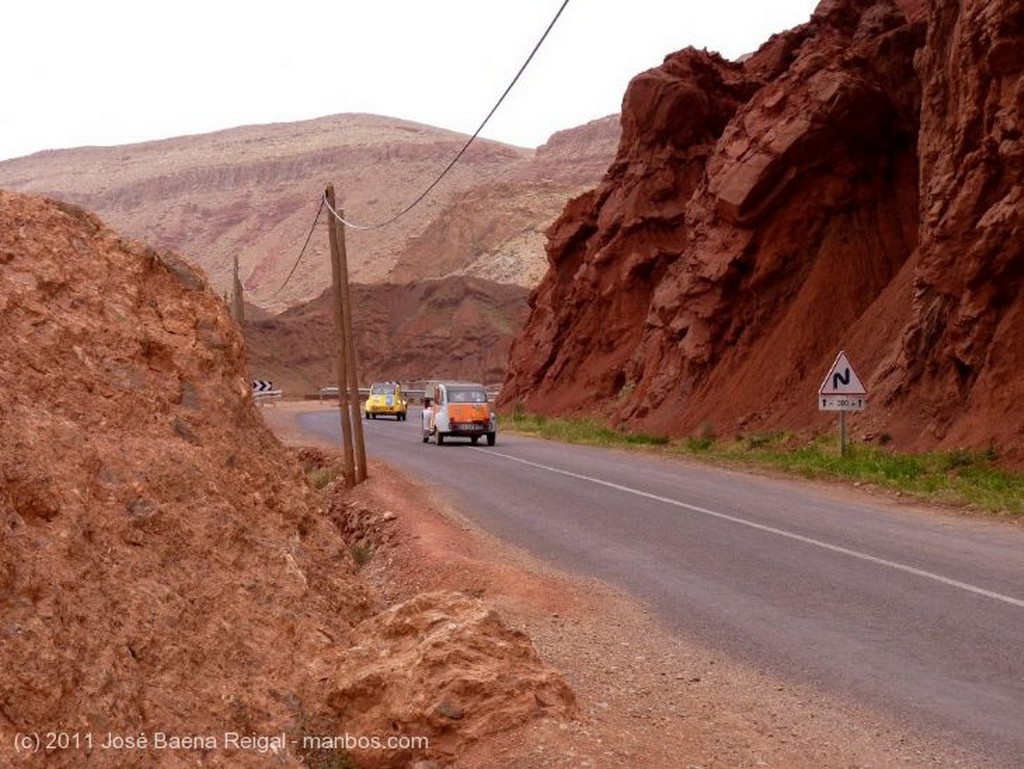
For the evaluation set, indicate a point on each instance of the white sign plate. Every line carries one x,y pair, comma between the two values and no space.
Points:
841,402
841,379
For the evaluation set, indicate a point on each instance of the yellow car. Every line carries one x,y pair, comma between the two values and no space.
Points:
385,398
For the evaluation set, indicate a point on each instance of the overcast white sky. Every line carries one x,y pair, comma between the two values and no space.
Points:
107,72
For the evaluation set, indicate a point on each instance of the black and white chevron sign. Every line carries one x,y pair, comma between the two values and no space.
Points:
262,386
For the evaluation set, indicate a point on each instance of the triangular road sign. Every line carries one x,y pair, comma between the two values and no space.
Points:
842,379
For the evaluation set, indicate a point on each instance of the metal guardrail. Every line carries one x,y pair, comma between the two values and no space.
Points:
331,392
267,396
411,394
364,392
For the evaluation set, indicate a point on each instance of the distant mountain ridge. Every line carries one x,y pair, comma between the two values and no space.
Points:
253,192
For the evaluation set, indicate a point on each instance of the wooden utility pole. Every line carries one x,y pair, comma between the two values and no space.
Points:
350,354
237,300
344,406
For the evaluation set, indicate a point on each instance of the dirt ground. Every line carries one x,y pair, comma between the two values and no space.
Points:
647,697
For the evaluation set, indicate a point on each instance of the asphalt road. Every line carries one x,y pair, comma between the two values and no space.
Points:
918,614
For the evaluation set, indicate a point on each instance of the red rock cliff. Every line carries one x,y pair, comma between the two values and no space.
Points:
855,185
957,372
164,564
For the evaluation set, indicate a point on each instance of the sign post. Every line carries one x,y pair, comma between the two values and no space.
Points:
842,391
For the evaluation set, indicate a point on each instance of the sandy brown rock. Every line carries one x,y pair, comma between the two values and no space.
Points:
164,564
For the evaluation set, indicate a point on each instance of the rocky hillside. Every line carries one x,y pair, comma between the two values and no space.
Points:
855,184
496,230
254,191
455,327
165,567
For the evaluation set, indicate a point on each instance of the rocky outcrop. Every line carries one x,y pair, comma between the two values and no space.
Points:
164,565
957,372
398,671
760,216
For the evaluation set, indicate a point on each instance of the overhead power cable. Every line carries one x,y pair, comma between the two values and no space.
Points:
323,202
465,147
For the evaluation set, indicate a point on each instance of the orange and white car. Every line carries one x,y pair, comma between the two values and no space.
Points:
459,409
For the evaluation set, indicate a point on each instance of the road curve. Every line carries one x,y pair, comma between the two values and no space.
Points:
918,614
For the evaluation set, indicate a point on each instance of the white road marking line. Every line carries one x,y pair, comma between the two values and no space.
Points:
772,530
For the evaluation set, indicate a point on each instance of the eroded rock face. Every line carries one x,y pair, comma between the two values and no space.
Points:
760,216
159,545
962,351
164,565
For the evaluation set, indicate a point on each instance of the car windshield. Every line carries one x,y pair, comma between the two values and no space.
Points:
382,389
467,396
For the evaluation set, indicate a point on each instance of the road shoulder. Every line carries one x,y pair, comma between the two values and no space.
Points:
648,696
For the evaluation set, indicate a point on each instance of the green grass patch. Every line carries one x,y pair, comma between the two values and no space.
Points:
362,554
583,430
962,478
320,477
